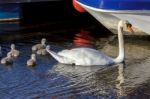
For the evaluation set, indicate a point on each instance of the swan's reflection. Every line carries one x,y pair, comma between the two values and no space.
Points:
137,69
121,81
133,78
76,70
99,80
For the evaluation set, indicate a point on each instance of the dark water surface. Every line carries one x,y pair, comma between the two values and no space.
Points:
51,80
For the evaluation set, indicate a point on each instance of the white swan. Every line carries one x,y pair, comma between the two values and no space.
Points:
89,56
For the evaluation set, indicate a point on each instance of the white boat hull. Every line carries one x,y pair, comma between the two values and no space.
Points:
140,20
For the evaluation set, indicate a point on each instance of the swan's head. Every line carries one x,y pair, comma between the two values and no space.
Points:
43,41
126,25
33,56
12,46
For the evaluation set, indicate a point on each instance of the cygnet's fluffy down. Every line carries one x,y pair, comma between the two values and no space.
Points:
32,60
7,60
42,45
14,52
42,52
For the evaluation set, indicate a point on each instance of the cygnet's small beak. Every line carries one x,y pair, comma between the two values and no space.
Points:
129,27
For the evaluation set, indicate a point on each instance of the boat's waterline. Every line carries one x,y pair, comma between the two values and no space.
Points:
109,18
24,1
10,20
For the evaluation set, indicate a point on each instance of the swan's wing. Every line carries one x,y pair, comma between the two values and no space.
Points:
82,53
86,56
96,57
71,54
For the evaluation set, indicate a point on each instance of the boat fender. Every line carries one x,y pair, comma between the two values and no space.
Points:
77,6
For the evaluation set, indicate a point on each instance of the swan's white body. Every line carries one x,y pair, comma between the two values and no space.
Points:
85,56
89,56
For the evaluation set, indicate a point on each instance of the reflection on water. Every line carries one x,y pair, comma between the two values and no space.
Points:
51,80
83,39
85,80
120,80
136,72
7,27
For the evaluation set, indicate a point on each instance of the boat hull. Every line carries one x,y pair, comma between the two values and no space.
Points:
9,12
13,10
139,19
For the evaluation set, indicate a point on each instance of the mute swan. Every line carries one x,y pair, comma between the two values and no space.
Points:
8,59
89,56
39,46
14,52
32,60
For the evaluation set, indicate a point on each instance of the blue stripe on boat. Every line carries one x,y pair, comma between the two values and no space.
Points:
118,4
8,11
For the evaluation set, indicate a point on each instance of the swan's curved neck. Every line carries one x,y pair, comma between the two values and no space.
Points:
121,55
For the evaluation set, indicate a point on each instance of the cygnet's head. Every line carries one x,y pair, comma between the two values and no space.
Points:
33,56
126,25
12,46
43,41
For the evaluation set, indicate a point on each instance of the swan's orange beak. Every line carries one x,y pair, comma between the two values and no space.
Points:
129,27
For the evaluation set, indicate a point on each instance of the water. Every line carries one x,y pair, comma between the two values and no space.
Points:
52,80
